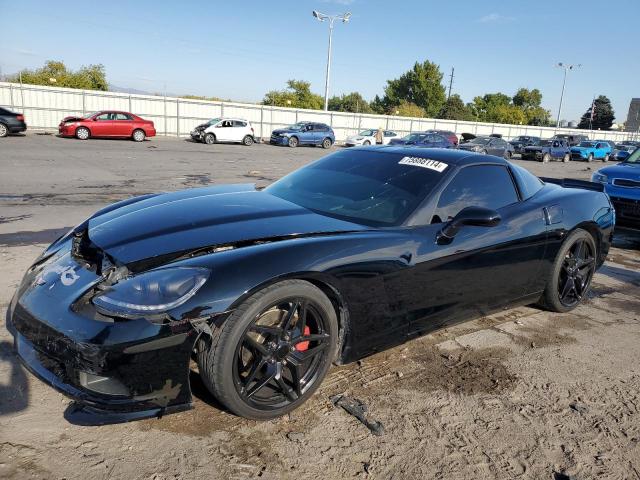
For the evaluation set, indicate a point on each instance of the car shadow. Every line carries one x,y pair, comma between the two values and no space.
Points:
199,392
14,395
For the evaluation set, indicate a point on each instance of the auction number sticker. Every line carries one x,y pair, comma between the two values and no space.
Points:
424,163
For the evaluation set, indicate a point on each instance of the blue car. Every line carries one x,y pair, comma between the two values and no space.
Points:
623,150
591,150
622,184
304,133
431,140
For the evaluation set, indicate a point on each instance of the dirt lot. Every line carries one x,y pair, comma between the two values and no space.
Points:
520,394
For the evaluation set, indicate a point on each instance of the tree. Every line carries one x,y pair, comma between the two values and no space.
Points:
351,102
407,109
378,105
529,102
90,77
455,109
298,94
497,108
603,115
199,97
422,86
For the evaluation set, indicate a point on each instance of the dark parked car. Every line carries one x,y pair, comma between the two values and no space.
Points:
11,122
451,136
547,150
345,257
572,139
488,145
432,140
523,141
622,152
304,133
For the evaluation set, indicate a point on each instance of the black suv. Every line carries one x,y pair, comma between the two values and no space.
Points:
523,141
11,122
572,140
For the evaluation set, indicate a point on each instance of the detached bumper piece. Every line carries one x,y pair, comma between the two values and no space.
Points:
109,384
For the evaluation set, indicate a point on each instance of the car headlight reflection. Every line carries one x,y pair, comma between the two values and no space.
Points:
599,178
152,292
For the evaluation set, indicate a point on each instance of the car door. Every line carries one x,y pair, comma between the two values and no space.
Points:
493,147
557,149
223,131
239,130
103,126
123,124
483,268
387,135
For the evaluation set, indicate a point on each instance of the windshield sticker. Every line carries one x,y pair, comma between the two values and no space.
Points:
424,163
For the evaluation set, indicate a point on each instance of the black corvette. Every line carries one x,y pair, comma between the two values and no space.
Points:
356,252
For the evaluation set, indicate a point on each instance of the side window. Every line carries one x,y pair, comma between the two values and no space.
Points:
238,123
529,184
487,186
321,127
556,144
598,145
389,133
122,116
104,117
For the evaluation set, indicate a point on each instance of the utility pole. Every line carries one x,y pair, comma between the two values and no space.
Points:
322,17
450,82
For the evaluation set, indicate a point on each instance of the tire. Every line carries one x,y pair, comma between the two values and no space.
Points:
545,158
326,143
221,358
4,131
590,157
552,298
82,133
482,152
209,139
366,143
138,135
247,140
605,158
566,158
293,142
507,155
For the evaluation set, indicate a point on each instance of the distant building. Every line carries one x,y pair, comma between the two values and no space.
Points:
572,124
633,117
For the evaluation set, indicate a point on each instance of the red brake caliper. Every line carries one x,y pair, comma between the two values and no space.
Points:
303,346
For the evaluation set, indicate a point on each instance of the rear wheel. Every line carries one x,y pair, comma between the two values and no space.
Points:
209,139
293,142
82,133
247,140
272,352
545,158
4,131
138,135
507,155
572,272
566,158
326,143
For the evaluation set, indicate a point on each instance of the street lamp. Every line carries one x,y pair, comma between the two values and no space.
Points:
322,17
566,67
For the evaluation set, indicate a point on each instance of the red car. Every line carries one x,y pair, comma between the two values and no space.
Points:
107,124
451,136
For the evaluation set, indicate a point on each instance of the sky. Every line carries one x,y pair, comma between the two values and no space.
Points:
240,50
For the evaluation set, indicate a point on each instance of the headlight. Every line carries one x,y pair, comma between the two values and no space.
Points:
599,178
153,292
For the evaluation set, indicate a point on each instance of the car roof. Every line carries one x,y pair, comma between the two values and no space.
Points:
447,155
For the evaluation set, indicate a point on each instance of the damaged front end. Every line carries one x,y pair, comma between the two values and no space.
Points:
118,344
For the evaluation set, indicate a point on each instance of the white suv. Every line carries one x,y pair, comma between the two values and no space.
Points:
224,130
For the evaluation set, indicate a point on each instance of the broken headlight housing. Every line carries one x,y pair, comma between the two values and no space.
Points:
152,292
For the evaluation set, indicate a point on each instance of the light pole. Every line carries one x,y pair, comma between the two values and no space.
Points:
322,17
566,68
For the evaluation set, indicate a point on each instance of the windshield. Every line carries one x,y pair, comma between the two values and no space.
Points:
367,133
414,137
371,188
634,157
88,115
480,141
296,126
520,139
213,121
587,144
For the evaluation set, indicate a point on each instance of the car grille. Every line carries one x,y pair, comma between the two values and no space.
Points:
624,182
626,208
575,155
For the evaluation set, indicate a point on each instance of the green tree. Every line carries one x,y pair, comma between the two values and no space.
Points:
455,109
407,109
530,103
351,102
90,77
209,99
379,105
422,86
603,115
298,94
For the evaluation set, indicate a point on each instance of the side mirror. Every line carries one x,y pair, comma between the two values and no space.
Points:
475,216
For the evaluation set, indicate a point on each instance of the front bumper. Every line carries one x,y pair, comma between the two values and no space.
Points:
135,370
196,135
278,140
627,211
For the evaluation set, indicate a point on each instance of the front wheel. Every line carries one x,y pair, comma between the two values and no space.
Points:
82,133
507,155
605,158
566,158
366,143
545,158
209,139
326,143
138,135
590,157
247,140
293,142
572,272
273,352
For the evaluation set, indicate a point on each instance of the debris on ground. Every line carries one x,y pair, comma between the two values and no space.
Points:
359,410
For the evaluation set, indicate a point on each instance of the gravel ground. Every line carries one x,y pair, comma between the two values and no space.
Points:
520,394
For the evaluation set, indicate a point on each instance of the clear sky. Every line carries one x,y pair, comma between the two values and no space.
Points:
240,50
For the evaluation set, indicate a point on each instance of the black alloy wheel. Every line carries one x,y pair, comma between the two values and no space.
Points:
577,270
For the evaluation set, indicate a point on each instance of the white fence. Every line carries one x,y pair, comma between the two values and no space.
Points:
44,107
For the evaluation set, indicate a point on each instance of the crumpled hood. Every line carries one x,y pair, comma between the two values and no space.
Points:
285,130
203,217
71,118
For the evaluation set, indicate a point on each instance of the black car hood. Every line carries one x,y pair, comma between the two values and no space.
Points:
203,217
